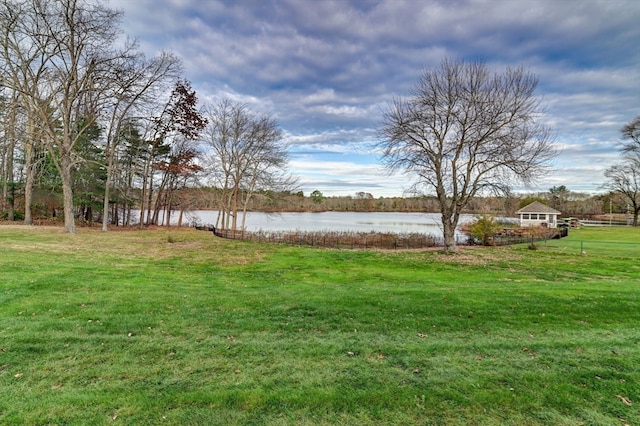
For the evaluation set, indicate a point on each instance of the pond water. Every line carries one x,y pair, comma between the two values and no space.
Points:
396,222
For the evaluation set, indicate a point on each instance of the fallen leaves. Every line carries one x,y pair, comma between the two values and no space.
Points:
625,400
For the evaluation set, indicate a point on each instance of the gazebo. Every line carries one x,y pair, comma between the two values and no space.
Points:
538,214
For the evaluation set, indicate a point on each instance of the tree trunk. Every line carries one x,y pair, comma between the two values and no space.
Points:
147,190
11,208
234,223
110,154
67,194
449,234
244,211
105,204
115,215
9,188
29,181
143,199
219,219
169,199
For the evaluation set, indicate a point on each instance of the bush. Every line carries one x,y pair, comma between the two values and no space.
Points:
17,216
483,229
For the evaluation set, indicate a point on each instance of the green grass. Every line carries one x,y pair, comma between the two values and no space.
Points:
157,327
599,241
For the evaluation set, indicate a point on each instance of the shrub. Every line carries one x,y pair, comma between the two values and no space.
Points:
17,216
483,229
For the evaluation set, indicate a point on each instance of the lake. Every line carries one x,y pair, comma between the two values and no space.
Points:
396,222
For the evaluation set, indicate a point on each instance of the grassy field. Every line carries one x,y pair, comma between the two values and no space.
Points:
182,328
598,242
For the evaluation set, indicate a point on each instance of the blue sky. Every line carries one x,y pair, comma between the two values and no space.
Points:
327,69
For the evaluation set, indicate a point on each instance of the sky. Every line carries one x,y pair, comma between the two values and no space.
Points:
326,71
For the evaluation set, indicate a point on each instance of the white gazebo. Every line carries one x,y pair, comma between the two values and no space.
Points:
538,214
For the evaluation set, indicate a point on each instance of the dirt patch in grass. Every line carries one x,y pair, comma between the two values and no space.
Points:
477,255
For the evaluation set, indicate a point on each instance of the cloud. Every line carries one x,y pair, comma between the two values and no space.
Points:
346,177
325,70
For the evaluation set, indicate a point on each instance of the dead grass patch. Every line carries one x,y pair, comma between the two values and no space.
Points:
477,255
126,243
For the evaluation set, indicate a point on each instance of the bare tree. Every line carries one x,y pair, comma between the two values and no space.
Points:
464,131
624,178
137,84
8,148
247,154
26,50
631,133
23,156
58,53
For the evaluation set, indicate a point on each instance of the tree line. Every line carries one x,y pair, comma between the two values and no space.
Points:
570,203
89,123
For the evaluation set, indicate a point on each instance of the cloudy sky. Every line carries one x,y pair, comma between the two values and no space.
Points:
327,69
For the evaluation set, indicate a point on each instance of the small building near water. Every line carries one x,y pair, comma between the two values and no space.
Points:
538,214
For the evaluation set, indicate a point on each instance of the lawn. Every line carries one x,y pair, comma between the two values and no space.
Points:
179,327
599,242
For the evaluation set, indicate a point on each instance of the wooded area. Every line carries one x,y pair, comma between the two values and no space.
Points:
90,128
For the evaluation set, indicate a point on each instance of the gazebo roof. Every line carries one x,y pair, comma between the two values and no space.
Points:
537,207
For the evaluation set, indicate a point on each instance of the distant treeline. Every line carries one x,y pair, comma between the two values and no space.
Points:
48,204
569,203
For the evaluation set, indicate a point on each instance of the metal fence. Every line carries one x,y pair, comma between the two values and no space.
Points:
594,248
373,240
345,240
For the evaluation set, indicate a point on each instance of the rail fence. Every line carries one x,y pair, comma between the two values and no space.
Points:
605,222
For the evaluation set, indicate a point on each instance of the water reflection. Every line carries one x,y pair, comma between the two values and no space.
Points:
395,222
